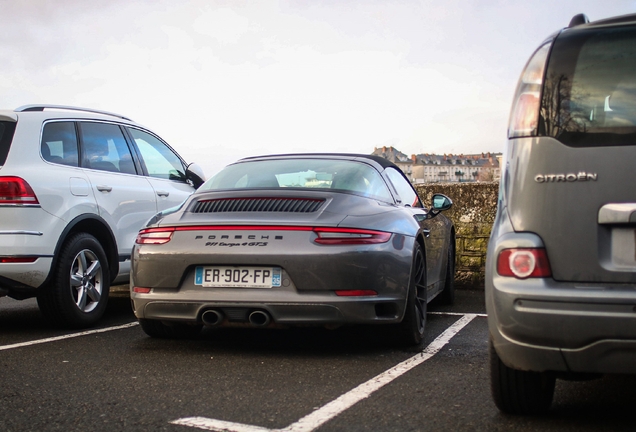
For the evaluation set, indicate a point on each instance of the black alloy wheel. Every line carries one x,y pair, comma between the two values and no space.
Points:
411,329
447,296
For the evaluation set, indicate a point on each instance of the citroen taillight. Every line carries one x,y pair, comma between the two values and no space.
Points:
524,263
524,117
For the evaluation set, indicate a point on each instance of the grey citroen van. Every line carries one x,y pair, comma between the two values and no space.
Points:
561,266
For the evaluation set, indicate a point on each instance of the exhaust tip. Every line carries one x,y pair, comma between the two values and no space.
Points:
212,317
259,318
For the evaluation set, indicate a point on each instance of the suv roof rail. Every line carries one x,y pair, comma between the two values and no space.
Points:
42,107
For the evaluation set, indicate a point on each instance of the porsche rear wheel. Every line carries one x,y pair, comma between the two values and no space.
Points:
447,296
411,329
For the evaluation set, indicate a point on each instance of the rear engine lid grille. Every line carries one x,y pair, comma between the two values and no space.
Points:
280,205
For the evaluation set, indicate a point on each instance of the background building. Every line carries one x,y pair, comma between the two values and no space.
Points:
432,168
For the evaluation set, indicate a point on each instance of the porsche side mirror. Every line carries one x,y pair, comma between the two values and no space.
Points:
440,203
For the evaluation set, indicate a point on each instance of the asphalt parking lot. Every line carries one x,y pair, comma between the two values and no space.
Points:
352,379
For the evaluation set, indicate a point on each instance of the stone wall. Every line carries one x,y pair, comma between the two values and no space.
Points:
473,213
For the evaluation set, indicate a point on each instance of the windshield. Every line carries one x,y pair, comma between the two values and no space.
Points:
333,174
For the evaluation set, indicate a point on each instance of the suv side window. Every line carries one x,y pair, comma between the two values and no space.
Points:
59,143
404,189
161,162
105,148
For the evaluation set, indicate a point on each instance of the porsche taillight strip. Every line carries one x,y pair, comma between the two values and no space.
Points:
279,205
343,236
324,235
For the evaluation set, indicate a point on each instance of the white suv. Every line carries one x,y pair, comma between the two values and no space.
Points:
76,185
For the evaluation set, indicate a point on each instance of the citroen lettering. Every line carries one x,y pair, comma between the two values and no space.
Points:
566,178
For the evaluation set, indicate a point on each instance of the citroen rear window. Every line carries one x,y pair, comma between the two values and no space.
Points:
340,175
6,136
589,92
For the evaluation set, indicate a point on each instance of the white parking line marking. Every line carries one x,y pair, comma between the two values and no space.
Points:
220,425
68,336
344,402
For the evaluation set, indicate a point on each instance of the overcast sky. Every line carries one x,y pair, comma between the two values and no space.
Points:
222,80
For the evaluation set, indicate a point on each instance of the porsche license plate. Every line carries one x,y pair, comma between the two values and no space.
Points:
237,277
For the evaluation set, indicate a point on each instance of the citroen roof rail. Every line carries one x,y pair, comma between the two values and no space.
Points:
578,20
42,107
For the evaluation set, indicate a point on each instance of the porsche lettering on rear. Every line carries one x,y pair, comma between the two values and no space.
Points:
238,237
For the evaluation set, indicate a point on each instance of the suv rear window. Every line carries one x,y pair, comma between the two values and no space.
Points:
6,136
589,93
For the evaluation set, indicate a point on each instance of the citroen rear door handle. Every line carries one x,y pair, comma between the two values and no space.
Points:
619,213
103,188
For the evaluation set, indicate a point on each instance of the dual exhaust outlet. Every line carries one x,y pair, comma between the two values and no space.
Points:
214,317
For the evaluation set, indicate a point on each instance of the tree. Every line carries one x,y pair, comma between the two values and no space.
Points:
486,175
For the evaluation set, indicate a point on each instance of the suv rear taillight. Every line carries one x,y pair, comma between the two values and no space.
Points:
524,263
524,118
16,260
16,191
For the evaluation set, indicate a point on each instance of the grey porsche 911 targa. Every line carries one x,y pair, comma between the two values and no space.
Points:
299,239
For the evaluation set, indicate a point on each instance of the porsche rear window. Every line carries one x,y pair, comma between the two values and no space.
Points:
589,93
340,175
6,136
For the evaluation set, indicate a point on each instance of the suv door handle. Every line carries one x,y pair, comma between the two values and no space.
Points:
163,193
623,213
104,188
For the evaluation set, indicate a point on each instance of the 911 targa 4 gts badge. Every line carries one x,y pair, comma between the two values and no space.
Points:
234,244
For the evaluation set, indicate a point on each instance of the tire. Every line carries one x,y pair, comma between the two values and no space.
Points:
519,392
169,330
78,292
411,330
447,296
